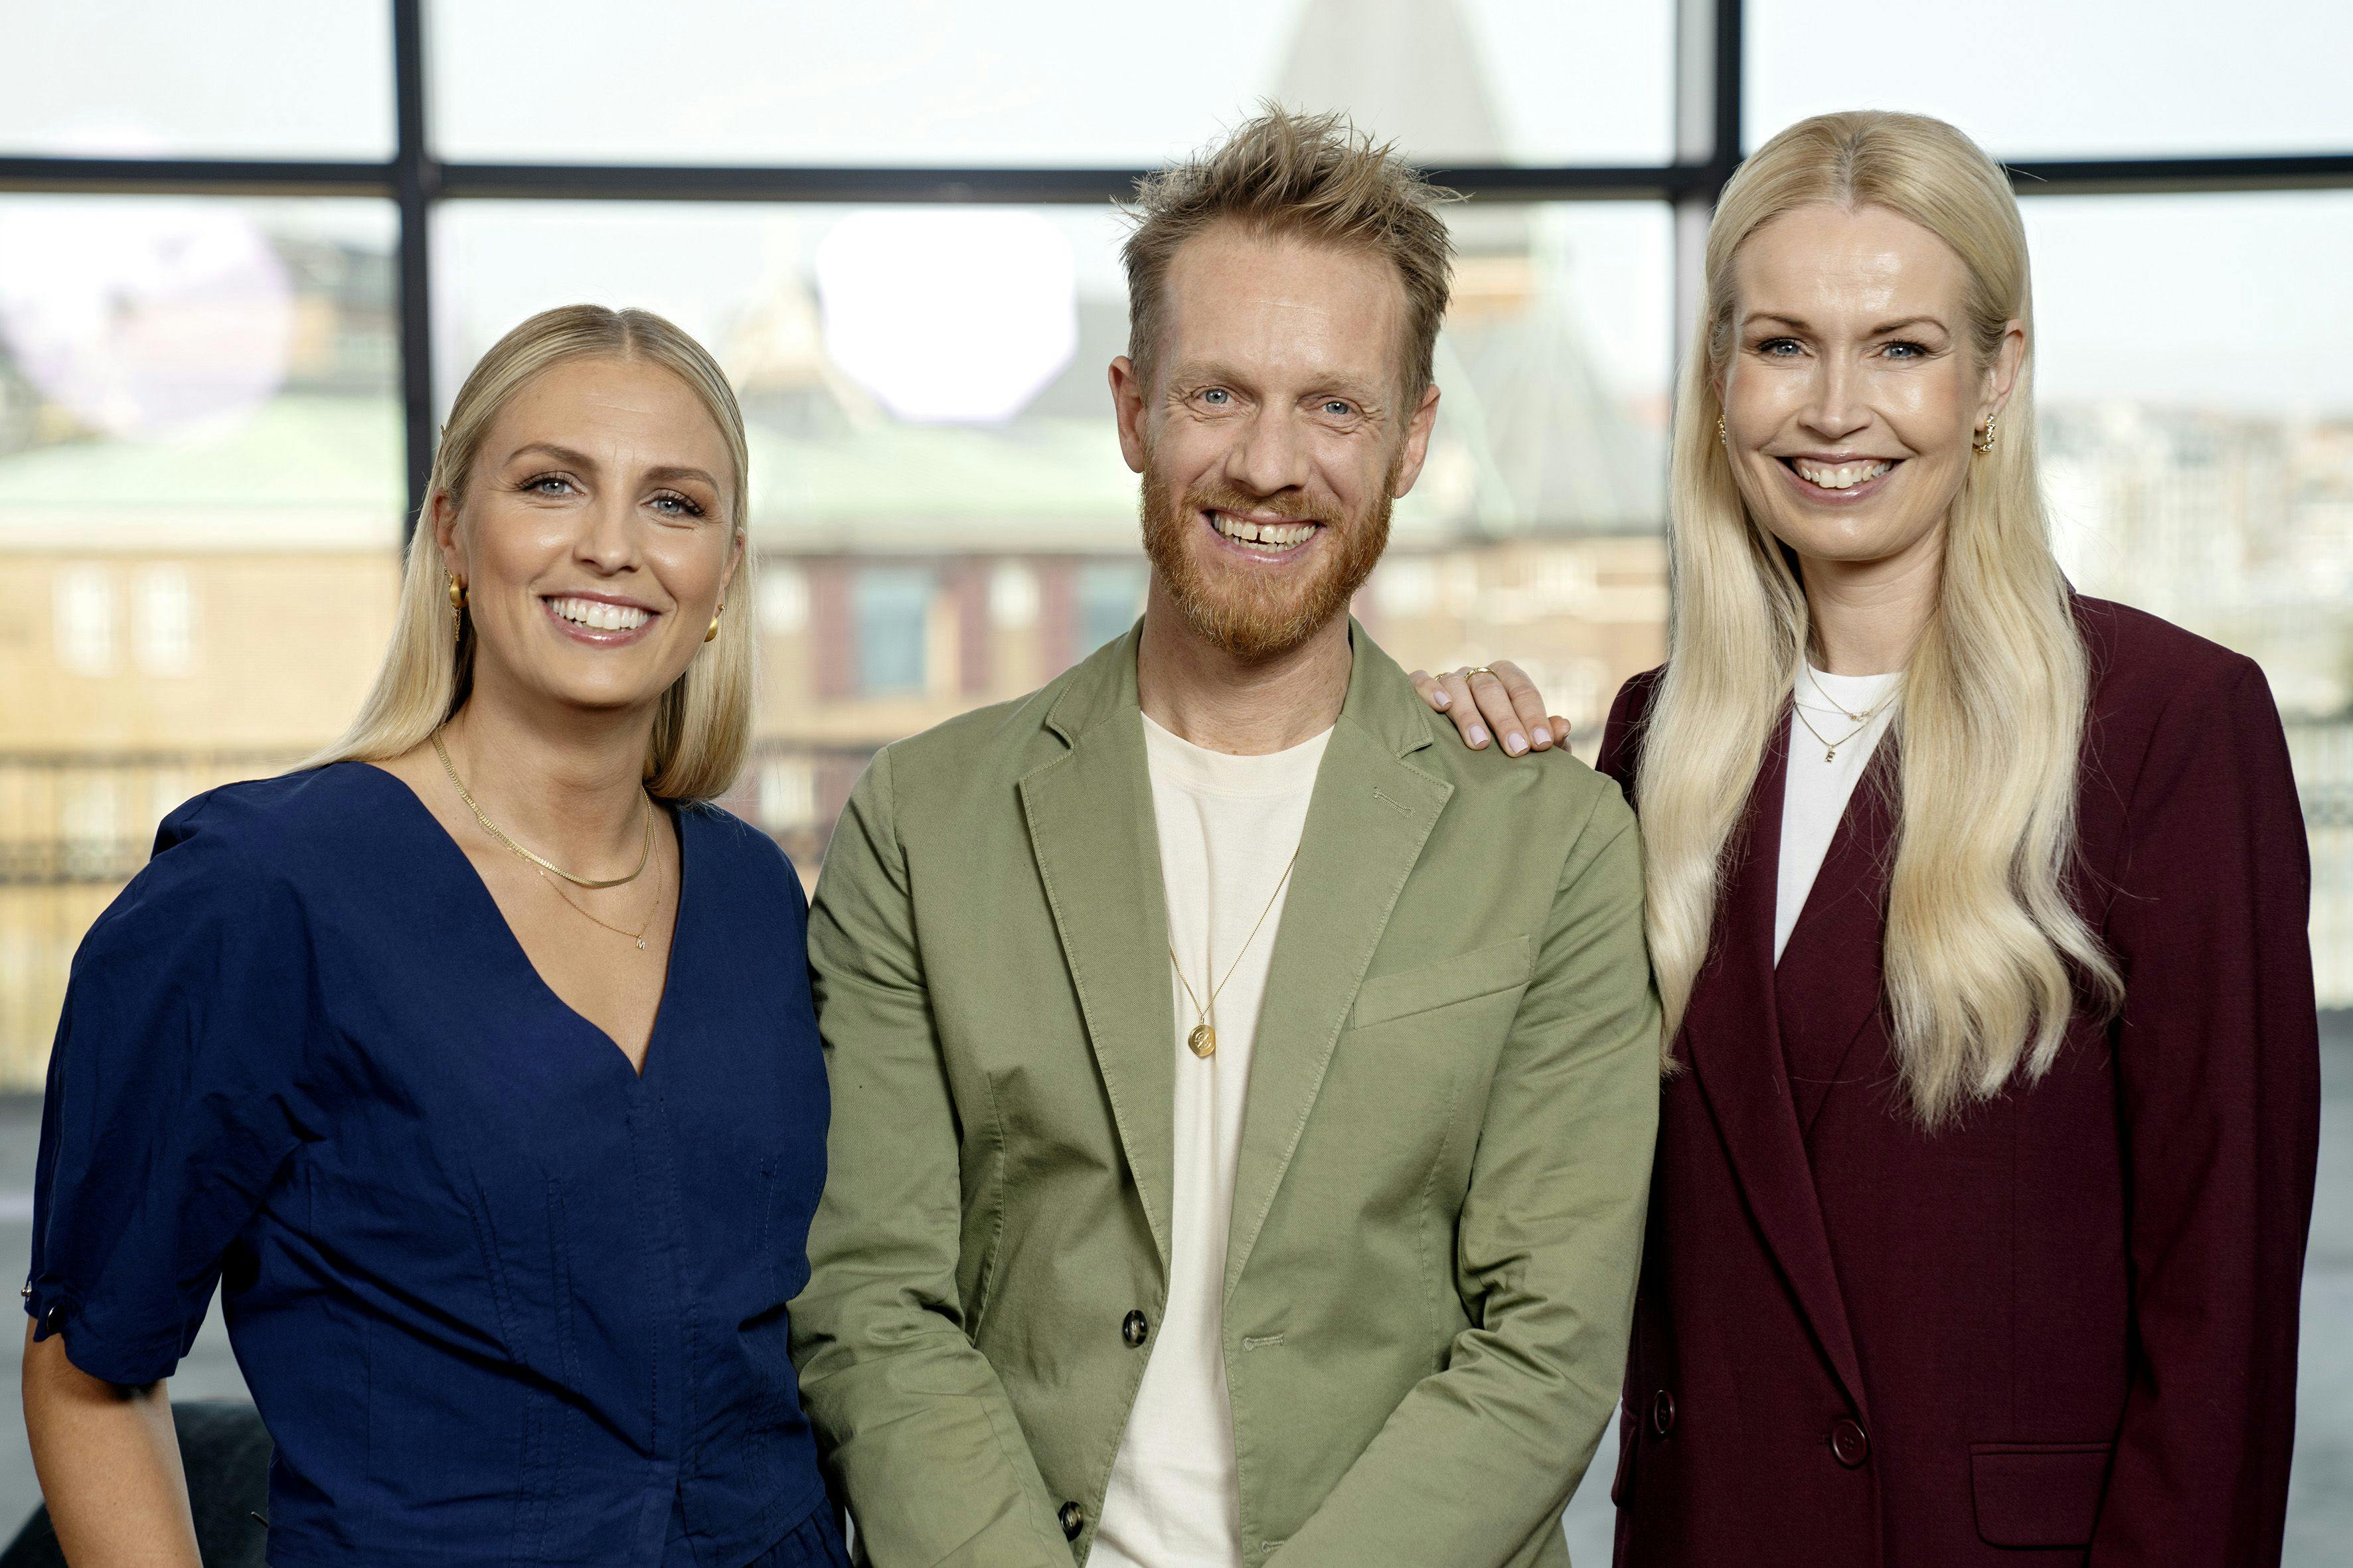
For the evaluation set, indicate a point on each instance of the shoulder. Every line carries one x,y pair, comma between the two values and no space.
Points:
948,759
2142,665
743,854
1547,793
1620,736
235,860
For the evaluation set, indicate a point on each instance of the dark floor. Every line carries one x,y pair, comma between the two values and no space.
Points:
2320,1500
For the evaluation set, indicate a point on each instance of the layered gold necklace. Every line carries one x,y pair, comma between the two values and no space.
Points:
1862,721
548,869
1203,1041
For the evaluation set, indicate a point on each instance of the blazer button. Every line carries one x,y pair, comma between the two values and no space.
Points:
1133,1328
1663,1412
1074,1519
1849,1443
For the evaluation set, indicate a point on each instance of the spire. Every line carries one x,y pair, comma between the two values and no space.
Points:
1406,70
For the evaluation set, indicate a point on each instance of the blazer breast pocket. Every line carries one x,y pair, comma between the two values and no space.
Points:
1466,977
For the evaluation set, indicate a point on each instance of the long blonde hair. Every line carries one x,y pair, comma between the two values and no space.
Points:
1984,952
702,728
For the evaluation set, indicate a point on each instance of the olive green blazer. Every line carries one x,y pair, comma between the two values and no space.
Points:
1444,1166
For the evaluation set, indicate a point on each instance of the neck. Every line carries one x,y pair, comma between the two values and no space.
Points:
1867,616
1240,707
569,785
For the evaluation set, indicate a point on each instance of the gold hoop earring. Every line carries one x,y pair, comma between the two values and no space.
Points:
1981,447
456,609
710,633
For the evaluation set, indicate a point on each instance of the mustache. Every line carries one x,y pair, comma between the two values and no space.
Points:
1289,506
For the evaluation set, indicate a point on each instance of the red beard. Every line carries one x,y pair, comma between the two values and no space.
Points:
1248,614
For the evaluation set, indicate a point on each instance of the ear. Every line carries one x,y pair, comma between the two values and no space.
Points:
2001,376
441,517
734,559
1127,401
1417,439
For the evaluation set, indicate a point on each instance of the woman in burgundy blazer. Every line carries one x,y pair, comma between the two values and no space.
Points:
2068,1322
1987,1148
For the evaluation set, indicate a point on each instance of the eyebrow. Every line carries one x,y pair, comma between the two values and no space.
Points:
1880,330
666,473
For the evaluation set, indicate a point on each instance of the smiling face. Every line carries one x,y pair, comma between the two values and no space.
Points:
1853,385
595,537
1273,435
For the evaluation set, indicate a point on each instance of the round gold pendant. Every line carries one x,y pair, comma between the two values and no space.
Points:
1203,1041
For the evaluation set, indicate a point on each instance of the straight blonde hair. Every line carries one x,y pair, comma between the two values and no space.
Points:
1984,952
702,729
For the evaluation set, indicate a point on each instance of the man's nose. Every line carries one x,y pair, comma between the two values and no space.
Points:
1270,454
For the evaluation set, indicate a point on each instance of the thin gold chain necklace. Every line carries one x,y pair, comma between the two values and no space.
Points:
1203,1041
644,854
638,935
1831,747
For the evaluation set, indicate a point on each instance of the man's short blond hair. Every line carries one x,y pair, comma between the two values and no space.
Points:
1313,177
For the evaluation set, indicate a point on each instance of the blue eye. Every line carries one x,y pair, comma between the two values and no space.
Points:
1773,347
1217,396
1907,351
1337,409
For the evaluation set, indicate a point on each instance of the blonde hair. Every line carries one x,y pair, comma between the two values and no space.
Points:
1304,177
1984,952
702,728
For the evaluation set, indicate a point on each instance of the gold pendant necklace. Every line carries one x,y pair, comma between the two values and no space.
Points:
644,853
638,935
1203,1041
1831,747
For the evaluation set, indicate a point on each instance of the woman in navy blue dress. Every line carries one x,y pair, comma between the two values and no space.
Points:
476,1066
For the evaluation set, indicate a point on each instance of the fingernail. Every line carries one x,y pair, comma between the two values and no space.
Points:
1478,734
1444,701
1541,736
1516,742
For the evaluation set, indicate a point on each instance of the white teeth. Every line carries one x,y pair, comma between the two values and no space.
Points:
1274,535
598,616
1843,477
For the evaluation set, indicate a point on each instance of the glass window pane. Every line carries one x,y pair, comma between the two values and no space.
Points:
2089,78
926,396
229,78
200,504
1059,82
2195,373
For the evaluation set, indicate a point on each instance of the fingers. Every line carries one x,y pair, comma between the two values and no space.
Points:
1527,709
1454,685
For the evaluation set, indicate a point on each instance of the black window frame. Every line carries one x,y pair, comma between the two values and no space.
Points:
1708,91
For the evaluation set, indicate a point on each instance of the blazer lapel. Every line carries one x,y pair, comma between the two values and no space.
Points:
1732,1041
1828,985
1090,825
1366,822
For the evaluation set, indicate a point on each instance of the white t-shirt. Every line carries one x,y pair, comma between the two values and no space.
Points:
1815,796
1228,827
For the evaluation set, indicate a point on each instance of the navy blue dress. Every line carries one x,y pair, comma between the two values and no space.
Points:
498,1297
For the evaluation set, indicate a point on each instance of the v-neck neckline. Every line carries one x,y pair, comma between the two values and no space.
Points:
522,955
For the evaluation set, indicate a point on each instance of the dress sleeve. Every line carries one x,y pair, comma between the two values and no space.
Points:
172,1100
2218,1060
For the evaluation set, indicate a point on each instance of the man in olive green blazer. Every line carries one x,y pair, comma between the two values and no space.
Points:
1438,1196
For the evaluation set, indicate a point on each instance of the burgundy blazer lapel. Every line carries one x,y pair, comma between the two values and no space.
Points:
1731,1039
1828,985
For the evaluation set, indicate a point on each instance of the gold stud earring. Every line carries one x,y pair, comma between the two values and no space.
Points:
1985,446
710,633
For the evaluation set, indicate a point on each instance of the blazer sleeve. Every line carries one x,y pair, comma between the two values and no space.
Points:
2218,1058
1479,1459
917,1433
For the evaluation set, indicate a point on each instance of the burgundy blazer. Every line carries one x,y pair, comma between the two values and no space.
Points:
2069,1322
